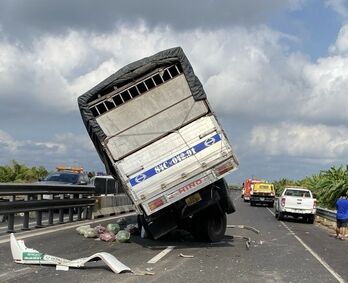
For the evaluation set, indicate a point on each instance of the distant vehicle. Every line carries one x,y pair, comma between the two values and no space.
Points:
296,202
262,193
247,187
106,185
67,175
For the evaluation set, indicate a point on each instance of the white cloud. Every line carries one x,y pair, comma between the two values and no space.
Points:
317,141
248,73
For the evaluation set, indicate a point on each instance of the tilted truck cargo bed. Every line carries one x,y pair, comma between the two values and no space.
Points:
155,132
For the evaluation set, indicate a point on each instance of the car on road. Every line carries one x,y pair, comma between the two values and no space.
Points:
66,176
296,202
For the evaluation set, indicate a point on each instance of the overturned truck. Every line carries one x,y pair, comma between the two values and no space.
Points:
154,130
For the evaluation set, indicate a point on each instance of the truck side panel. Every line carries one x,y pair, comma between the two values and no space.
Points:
193,149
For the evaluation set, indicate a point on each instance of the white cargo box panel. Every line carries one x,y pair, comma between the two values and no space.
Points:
149,116
175,158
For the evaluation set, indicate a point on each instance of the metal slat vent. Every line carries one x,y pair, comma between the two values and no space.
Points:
140,88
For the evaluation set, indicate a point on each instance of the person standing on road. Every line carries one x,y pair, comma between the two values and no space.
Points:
341,216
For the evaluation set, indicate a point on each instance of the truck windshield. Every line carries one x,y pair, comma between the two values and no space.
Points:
298,193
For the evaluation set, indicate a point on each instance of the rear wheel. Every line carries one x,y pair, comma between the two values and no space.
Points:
209,225
310,219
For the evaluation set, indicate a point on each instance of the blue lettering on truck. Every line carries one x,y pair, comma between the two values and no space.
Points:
174,160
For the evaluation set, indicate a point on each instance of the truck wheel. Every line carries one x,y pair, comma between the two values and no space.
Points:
276,214
210,225
225,196
252,203
310,219
270,204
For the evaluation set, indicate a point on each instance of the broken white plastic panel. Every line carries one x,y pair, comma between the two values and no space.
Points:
24,255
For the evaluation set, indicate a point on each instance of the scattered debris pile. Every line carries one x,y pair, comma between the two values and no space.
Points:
120,231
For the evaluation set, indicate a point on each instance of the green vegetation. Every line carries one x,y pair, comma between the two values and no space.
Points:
19,173
327,185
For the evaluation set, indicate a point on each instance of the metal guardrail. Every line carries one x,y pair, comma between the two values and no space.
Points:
326,213
26,198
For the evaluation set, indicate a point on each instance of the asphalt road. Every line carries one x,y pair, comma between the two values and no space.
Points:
284,251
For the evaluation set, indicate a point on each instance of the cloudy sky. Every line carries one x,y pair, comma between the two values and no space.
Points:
275,72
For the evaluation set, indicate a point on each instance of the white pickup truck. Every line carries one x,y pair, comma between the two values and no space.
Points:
296,202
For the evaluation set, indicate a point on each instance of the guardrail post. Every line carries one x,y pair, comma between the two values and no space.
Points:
10,223
79,210
39,215
26,221
61,216
50,217
39,219
79,213
71,211
89,212
61,212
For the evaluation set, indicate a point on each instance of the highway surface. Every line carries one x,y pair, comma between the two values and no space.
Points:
284,251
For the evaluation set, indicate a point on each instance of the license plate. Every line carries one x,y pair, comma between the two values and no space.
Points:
193,199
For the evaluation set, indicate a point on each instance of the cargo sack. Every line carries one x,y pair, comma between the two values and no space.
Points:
113,228
132,229
123,236
100,229
81,229
90,233
122,222
107,237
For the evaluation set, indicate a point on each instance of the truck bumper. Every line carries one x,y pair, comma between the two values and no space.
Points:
262,199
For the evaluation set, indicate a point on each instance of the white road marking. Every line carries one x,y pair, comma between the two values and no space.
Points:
17,271
61,227
314,254
161,254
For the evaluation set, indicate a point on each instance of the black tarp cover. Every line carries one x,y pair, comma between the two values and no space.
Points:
126,75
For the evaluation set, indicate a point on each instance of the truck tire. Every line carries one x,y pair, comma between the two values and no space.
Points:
142,224
210,225
225,196
310,219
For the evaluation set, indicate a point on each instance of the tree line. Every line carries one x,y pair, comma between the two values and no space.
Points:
20,173
327,185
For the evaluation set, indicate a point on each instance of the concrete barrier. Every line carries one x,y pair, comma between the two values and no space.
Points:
110,205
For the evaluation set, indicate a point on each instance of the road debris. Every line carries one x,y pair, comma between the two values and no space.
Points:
22,254
186,256
247,239
143,272
123,236
244,227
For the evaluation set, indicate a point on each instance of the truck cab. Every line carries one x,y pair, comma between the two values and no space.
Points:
247,188
262,193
